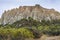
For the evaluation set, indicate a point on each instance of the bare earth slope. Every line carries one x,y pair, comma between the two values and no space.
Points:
47,38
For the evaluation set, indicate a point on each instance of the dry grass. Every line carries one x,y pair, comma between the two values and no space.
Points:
43,37
53,38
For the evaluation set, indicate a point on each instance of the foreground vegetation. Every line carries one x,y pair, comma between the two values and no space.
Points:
29,28
26,32
15,34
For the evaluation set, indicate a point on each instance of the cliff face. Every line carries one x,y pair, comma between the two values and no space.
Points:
36,12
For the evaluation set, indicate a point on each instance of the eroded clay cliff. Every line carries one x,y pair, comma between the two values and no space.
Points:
36,12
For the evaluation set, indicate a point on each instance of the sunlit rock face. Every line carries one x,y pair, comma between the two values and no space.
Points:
36,12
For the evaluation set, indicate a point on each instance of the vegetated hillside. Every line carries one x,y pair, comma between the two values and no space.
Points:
30,22
36,12
30,29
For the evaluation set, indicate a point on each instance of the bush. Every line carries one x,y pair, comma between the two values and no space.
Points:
14,33
50,30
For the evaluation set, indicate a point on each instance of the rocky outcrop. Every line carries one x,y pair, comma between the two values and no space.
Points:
0,21
36,12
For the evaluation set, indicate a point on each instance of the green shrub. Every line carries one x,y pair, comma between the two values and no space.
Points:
50,30
25,32
15,33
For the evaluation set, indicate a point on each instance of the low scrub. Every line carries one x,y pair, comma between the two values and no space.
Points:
15,34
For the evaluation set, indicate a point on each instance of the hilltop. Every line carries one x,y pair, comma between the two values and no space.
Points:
36,12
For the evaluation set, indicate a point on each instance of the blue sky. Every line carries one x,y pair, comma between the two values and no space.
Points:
9,4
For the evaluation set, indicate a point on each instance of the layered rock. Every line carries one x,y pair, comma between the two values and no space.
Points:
36,12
